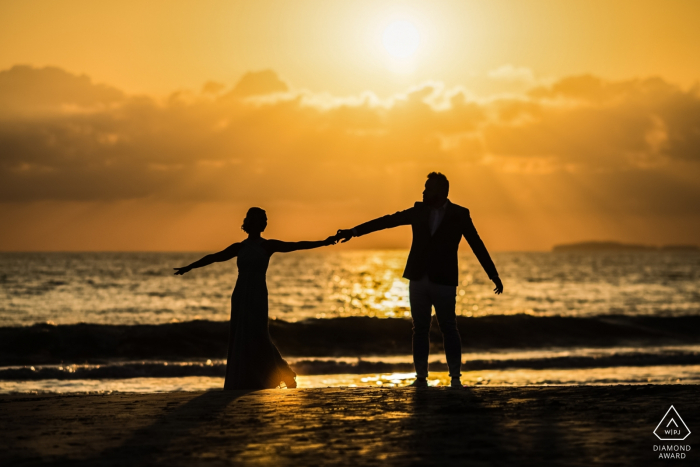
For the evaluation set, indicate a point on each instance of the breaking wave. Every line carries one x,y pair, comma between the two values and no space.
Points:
43,344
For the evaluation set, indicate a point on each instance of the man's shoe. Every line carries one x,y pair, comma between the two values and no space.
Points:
456,383
420,383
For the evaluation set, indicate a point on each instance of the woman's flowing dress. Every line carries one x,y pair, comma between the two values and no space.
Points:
253,360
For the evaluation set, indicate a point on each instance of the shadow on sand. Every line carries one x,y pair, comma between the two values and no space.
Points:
454,427
172,436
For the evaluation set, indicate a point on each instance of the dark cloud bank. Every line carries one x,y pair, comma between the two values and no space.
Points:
581,143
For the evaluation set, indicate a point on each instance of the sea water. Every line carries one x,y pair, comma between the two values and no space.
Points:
139,288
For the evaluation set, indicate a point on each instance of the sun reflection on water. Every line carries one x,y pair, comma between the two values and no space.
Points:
131,288
678,374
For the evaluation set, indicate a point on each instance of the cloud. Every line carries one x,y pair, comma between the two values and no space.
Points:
592,123
65,138
213,87
25,90
256,83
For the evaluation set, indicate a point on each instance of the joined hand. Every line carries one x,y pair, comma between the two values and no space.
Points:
344,235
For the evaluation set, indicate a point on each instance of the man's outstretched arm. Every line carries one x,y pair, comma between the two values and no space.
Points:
385,222
480,251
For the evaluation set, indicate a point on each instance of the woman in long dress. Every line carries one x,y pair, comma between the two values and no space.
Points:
253,360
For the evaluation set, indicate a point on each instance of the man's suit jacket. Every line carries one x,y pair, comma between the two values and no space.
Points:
435,255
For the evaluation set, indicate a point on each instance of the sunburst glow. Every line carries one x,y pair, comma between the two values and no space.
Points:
401,39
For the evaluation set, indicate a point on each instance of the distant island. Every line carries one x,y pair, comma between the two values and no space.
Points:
619,246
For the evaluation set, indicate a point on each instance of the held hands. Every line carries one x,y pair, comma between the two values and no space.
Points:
341,236
344,235
332,240
499,285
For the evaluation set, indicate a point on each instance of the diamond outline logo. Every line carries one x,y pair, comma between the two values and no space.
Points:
672,419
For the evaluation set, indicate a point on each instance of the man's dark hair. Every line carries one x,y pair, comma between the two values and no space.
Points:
441,180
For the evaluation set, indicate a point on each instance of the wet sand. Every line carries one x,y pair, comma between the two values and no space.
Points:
582,425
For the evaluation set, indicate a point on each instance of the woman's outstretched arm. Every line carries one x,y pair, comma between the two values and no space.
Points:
278,246
223,255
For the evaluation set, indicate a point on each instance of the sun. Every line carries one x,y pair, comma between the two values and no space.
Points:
401,39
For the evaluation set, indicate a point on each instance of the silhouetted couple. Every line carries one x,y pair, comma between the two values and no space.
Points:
438,227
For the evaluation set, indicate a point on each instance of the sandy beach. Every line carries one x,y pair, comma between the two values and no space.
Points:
594,425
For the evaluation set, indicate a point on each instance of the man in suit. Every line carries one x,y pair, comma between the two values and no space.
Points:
438,226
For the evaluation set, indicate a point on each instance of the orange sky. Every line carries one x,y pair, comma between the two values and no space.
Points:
154,125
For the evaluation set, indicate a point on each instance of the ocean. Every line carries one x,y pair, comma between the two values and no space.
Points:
82,322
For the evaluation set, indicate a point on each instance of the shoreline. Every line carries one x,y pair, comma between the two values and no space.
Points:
616,376
331,366
564,425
